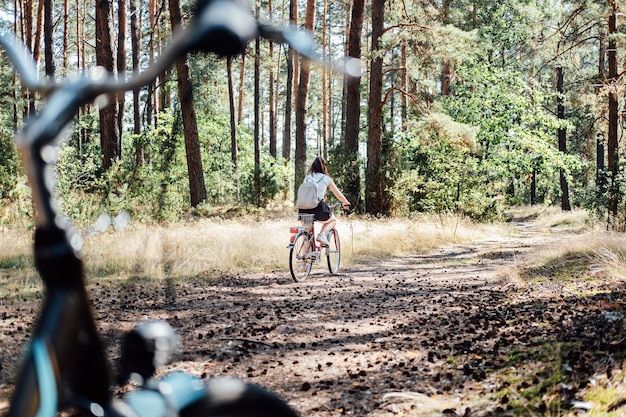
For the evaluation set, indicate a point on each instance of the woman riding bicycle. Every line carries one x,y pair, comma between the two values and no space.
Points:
318,173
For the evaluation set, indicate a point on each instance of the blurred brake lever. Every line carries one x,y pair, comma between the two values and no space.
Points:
24,64
221,26
302,42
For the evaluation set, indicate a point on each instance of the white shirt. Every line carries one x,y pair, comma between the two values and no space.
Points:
322,181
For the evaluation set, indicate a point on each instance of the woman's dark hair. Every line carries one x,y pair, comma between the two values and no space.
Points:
318,165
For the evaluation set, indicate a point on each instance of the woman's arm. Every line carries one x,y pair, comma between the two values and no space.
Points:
344,201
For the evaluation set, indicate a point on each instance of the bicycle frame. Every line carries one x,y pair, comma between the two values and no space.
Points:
66,354
66,361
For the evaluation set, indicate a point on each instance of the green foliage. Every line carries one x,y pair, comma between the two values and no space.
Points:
498,56
78,177
516,133
443,171
224,184
209,86
157,190
389,172
9,163
152,191
220,176
14,193
346,169
272,184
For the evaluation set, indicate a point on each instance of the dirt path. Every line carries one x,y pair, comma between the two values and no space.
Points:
419,335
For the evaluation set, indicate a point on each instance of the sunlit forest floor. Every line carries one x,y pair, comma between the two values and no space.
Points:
428,316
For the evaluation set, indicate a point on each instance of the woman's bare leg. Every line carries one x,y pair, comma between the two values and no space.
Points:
328,225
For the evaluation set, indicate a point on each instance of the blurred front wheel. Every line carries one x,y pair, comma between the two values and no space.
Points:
231,397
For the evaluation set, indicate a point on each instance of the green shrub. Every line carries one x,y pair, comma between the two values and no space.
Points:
443,171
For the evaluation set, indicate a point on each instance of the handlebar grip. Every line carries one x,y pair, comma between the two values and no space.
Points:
223,27
24,64
185,395
37,143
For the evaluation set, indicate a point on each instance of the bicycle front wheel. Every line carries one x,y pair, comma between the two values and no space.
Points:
299,262
333,251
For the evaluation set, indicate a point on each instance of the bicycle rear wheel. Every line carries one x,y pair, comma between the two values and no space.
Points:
333,251
299,262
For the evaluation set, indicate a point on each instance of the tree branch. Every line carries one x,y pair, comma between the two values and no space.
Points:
392,89
403,25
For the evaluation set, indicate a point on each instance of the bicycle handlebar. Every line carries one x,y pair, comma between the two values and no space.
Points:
223,27
340,204
69,349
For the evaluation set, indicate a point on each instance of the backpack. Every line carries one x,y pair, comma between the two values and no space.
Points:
307,195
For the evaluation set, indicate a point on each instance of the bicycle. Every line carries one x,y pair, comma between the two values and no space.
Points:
65,365
304,250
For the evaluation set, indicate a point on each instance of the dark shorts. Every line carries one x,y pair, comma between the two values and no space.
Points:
321,212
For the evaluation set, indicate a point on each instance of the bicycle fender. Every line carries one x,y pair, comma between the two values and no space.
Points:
171,394
290,245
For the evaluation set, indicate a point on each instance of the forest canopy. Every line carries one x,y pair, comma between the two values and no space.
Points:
465,107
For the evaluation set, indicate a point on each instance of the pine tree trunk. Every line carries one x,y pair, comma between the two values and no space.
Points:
82,135
234,149
121,59
242,72
27,37
301,101
293,4
39,31
446,72
197,188
257,104
272,98
612,147
15,95
151,51
48,37
404,86
600,143
324,147
134,44
565,203
109,132
288,108
352,188
66,32
375,194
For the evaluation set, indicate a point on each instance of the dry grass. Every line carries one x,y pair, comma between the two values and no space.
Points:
367,240
14,243
202,248
208,247
18,277
610,254
587,247
553,217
